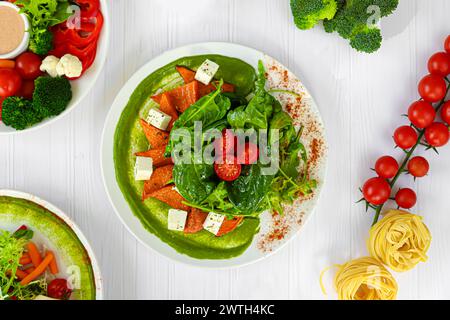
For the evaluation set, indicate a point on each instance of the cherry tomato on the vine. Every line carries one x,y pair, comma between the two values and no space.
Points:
437,135
418,167
445,112
405,137
432,88
439,64
421,114
386,167
376,191
447,44
406,198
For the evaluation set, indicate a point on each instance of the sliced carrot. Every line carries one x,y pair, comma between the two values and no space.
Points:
53,266
182,97
187,74
21,274
156,137
157,156
166,106
8,64
29,270
170,197
39,269
35,256
25,259
229,225
160,177
195,220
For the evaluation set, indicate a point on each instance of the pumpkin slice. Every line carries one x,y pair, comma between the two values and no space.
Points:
160,177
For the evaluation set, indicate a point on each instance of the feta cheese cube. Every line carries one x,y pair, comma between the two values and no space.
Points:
206,72
158,119
177,219
213,222
143,168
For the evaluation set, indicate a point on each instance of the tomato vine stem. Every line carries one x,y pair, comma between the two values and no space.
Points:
408,155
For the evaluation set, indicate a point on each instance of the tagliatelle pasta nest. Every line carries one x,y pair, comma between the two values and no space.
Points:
400,240
365,279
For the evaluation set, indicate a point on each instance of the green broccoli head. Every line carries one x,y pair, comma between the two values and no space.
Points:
51,95
307,13
19,113
366,40
41,41
356,20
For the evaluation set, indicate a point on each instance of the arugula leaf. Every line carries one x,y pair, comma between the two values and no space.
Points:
11,250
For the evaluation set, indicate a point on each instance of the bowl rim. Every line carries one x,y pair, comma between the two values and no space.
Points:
73,226
101,63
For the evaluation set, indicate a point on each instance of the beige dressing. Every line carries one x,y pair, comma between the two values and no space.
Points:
12,29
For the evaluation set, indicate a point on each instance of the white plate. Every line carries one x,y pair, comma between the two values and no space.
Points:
254,252
71,224
82,86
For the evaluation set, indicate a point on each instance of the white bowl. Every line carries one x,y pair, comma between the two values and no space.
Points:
26,38
121,207
56,211
82,86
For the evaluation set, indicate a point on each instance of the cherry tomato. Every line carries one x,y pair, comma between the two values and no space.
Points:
445,112
28,65
447,44
386,167
10,82
418,167
421,114
406,198
229,170
376,191
58,289
405,137
437,135
432,88
225,144
27,89
249,155
439,64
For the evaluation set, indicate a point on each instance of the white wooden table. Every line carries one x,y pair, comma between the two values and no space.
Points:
360,97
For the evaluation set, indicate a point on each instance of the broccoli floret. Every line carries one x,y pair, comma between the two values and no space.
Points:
354,21
51,95
307,13
19,113
41,41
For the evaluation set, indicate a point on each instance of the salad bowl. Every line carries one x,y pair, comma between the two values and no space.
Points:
251,238
80,86
51,231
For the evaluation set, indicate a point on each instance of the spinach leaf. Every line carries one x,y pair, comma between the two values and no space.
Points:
259,110
249,190
208,110
195,182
